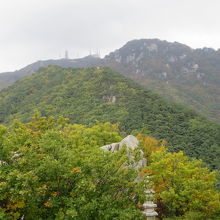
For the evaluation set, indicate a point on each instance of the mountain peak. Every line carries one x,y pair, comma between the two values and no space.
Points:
174,70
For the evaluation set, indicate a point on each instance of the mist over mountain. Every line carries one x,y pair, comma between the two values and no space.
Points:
187,76
109,110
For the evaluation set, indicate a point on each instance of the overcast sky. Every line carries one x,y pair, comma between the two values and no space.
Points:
34,30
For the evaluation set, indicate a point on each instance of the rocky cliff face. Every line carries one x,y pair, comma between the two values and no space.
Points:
167,61
181,74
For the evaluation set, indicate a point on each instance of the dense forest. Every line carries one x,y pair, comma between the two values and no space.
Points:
54,169
51,169
100,94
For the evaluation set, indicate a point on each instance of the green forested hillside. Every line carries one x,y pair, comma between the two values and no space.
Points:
88,95
190,77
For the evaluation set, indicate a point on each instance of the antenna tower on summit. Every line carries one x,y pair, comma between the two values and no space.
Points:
66,55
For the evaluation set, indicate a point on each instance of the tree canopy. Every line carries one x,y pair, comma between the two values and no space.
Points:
51,169
183,187
54,170
87,95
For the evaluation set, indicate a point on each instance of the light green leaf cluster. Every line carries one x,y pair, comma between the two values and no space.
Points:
54,170
183,186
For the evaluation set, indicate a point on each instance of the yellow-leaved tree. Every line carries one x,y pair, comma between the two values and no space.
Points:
183,187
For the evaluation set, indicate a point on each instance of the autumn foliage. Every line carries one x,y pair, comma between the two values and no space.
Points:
54,170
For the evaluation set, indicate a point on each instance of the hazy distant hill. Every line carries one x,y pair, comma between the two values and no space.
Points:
87,95
177,72
181,74
9,78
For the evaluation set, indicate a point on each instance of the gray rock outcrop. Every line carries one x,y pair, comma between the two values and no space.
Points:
131,144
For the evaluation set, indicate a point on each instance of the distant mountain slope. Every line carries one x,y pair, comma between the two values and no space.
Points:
87,95
9,78
179,73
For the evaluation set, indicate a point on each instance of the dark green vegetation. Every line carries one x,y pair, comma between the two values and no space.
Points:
54,170
87,95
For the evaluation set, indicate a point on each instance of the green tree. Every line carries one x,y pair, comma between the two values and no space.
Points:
89,94
183,185
54,170
149,145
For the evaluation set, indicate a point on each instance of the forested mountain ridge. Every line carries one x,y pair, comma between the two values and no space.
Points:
88,95
179,73
9,78
184,75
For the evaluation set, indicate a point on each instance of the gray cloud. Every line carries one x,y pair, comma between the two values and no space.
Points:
43,29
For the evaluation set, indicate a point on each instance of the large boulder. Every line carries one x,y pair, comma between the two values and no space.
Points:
131,143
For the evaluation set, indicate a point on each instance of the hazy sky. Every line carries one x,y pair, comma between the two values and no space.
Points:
34,30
